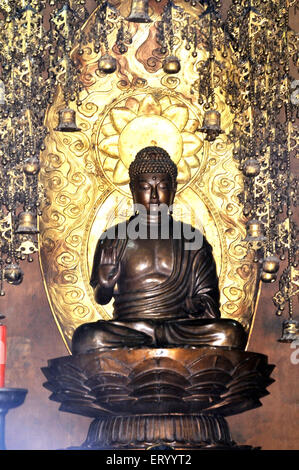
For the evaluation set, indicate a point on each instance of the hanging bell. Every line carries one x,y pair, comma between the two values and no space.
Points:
26,223
271,264
251,167
255,231
107,64
13,274
139,12
171,64
268,277
211,125
67,121
290,331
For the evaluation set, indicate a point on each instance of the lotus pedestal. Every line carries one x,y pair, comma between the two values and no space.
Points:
176,397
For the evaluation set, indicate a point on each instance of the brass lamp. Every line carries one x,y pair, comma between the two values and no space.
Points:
255,231
13,274
251,167
211,125
107,64
31,166
67,121
271,264
171,64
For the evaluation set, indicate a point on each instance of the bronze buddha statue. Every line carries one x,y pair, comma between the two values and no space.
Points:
165,288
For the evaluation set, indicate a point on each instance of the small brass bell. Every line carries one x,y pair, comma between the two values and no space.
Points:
255,231
13,274
271,264
139,12
251,167
26,223
171,64
67,121
268,277
31,166
211,125
290,331
107,64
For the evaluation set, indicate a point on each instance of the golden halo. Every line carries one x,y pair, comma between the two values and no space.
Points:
140,121
148,131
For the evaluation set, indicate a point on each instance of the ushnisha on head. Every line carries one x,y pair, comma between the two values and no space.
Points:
153,160
153,179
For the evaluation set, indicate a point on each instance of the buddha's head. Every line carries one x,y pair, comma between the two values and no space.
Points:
153,178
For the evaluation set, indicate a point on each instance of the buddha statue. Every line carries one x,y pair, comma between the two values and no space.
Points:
165,288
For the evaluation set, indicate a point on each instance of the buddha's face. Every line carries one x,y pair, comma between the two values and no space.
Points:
153,189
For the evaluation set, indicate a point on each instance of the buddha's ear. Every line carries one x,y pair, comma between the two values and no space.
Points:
132,191
173,192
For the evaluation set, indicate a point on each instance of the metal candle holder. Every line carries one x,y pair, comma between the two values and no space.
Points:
9,398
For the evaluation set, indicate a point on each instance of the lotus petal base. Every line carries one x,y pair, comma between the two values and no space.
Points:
149,396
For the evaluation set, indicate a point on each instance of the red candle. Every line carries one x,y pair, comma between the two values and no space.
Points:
2,353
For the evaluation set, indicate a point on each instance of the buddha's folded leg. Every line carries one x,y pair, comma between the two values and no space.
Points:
180,332
108,334
197,332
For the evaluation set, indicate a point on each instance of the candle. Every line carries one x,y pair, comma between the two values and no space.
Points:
2,353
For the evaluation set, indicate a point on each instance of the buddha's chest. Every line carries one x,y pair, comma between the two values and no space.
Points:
148,257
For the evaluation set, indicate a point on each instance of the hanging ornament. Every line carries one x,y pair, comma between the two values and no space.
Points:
120,39
255,231
171,65
31,166
67,121
62,20
251,167
290,331
211,125
107,64
139,12
26,223
271,264
13,274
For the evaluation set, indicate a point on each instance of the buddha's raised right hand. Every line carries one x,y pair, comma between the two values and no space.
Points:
109,268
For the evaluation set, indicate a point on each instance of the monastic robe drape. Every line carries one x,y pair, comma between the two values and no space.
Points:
190,291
